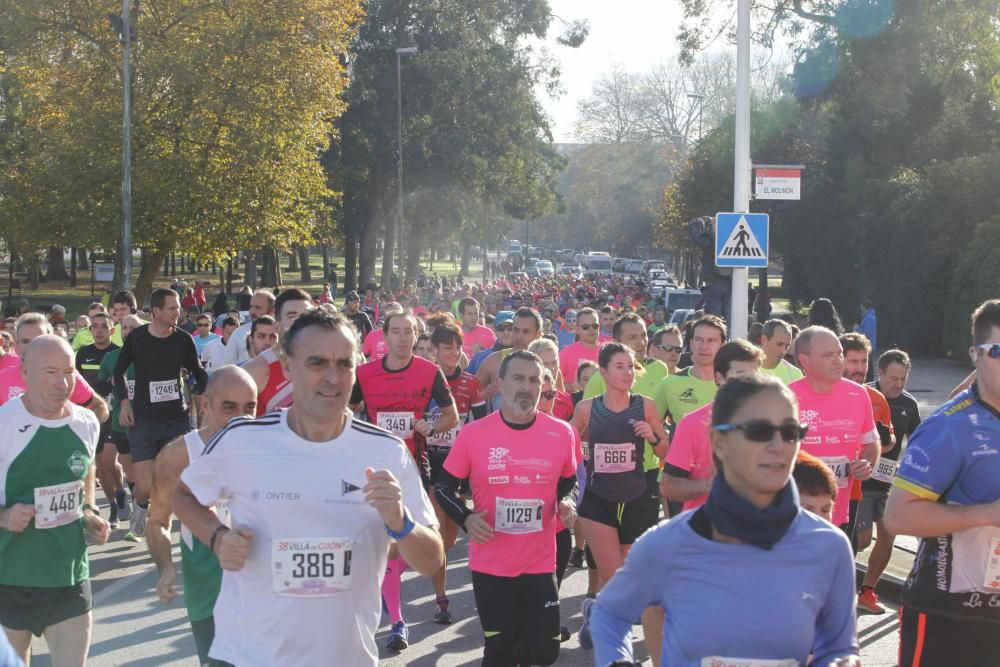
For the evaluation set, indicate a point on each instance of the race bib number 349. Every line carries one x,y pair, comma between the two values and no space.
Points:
59,504
311,567
400,424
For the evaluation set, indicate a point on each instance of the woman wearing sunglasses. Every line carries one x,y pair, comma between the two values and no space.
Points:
748,578
616,425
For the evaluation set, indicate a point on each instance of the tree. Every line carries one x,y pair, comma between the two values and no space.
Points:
232,104
469,114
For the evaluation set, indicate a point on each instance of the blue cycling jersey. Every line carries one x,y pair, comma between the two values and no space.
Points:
954,458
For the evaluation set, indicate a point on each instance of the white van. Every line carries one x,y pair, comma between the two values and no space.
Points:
514,247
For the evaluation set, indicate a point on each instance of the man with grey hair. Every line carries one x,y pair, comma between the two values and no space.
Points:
12,384
776,338
47,510
261,303
838,413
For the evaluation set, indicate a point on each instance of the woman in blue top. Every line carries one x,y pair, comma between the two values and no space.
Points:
748,578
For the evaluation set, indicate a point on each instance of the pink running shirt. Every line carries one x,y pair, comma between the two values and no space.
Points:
570,358
482,335
374,347
12,386
691,449
840,424
513,474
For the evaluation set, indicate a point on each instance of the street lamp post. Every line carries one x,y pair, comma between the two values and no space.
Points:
701,106
123,24
399,151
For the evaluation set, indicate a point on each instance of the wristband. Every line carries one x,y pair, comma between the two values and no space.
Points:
215,536
93,508
408,526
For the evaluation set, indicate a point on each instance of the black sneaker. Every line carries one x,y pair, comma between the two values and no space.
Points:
113,517
564,634
576,558
442,616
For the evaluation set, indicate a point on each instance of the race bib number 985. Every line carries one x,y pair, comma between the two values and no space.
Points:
59,504
519,516
311,567
885,470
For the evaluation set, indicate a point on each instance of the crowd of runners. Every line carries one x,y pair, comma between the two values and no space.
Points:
716,489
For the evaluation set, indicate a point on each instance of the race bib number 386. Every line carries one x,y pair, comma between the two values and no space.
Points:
58,505
311,567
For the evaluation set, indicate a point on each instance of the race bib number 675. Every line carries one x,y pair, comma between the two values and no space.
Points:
311,567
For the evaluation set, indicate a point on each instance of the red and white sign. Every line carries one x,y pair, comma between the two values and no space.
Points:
778,183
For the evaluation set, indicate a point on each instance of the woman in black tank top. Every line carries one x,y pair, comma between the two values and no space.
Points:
616,425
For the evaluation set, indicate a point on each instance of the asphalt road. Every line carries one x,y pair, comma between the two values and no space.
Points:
131,627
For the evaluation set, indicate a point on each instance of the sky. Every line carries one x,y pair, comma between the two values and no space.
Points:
635,33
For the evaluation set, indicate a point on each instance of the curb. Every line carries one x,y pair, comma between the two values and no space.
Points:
889,583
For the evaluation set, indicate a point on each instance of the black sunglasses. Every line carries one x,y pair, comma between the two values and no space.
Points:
760,430
587,327
671,348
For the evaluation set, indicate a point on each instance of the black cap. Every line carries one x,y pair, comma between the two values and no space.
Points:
351,295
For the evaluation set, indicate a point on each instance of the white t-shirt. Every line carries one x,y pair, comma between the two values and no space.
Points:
290,491
213,355
236,351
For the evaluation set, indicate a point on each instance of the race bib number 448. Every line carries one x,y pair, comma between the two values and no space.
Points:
311,567
59,504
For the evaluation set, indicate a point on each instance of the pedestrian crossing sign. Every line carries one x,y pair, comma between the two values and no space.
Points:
741,240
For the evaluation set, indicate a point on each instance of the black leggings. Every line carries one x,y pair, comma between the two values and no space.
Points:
564,548
520,618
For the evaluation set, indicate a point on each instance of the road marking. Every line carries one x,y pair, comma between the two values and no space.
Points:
122,584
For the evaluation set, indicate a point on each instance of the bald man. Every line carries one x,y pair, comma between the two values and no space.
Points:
47,449
231,393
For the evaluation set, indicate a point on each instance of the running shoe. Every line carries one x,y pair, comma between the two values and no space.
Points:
586,641
442,616
564,634
131,537
124,507
399,638
576,558
868,601
137,522
113,517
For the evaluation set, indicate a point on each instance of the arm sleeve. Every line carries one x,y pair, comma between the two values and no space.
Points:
836,625
446,492
193,365
624,598
440,391
103,385
356,394
119,379
566,487
479,411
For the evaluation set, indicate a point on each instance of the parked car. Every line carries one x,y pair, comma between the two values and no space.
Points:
634,266
653,265
571,269
544,268
680,316
618,264
517,277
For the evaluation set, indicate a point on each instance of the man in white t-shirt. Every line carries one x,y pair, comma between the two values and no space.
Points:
306,555
261,303
214,353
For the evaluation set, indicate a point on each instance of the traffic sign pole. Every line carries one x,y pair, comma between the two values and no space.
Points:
738,312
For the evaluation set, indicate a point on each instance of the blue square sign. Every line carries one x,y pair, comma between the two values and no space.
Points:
741,240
